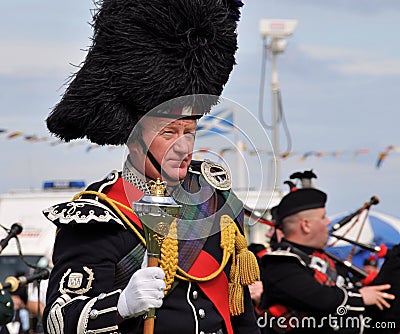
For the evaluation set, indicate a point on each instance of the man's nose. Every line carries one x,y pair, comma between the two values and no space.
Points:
183,145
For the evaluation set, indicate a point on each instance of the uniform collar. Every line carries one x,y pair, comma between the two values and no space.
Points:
306,249
134,177
137,179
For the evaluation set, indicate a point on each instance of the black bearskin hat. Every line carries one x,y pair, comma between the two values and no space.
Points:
144,53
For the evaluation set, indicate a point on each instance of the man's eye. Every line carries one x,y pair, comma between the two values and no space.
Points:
167,133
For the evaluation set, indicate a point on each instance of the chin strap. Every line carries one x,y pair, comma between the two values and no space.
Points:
153,161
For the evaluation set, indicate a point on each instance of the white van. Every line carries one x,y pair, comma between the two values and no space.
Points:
37,237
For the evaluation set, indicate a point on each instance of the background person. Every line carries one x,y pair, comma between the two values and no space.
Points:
38,289
370,266
273,235
36,304
301,281
20,323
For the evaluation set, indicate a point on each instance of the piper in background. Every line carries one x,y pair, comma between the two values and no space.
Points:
303,291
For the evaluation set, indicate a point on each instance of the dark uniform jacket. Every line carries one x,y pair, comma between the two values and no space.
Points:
96,253
387,320
303,289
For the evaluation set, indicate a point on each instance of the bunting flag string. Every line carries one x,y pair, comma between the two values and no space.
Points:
383,155
33,138
309,154
6,134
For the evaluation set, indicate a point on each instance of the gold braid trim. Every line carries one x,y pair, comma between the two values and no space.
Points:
169,256
228,231
227,244
114,204
244,268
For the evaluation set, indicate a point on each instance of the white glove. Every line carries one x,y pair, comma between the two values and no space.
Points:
144,291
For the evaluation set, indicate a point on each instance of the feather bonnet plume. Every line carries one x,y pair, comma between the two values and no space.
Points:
144,53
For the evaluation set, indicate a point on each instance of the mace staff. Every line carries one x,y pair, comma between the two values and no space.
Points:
156,212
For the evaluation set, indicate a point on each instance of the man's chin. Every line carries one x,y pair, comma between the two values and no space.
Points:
174,176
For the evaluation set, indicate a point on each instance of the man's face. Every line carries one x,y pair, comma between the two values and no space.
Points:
319,223
171,143
270,232
370,269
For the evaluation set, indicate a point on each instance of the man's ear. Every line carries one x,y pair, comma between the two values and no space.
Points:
135,151
132,147
305,225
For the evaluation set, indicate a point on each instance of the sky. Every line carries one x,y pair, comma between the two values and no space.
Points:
339,78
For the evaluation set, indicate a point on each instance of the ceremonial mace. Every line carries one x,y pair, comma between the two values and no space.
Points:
156,212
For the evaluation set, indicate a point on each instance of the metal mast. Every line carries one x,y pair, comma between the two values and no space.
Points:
276,30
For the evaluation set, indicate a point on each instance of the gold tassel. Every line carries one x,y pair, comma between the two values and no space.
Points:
244,267
228,237
246,262
169,256
236,299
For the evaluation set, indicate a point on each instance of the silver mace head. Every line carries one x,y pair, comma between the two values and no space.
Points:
156,212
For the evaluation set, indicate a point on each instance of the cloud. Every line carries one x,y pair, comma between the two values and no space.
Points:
372,67
22,58
352,61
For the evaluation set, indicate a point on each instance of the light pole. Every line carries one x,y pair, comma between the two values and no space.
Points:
276,30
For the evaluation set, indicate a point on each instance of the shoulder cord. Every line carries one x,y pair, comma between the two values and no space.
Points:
224,243
113,204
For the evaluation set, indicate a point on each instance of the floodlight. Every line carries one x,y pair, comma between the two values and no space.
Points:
278,45
277,28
